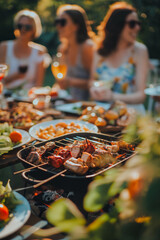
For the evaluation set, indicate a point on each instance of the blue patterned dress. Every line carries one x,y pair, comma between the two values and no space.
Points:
121,79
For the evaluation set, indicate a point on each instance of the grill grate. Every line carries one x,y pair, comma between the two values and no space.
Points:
70,138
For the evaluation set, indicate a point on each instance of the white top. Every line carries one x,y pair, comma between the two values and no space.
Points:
29,80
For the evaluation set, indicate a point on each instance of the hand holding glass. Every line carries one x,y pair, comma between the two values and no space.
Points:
102,84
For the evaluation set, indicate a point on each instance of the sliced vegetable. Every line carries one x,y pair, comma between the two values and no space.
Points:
15,136
5,144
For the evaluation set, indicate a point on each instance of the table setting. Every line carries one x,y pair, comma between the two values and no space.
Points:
64,126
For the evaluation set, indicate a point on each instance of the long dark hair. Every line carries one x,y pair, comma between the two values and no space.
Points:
79,17
112,26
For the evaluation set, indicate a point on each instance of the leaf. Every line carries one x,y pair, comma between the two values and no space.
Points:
11,201
65,215
2,188
97,197
102,228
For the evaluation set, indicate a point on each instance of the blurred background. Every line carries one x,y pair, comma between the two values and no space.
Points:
149,15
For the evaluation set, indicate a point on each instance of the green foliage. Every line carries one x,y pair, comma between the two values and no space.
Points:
152,199
97,196
8,9
102,228
149,13
134,189
65,215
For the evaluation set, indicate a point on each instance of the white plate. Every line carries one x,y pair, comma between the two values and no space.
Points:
20,215
153,91
25,137
35,128
75,108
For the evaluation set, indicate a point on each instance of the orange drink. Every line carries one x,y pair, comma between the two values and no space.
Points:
59,70
58,66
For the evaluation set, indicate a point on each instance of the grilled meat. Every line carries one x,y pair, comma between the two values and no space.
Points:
79,147
65,153
101,158
56,160
79,156
34,157
49,146
44,149
112,148
76,165
89,147
88,159
76,151
125,146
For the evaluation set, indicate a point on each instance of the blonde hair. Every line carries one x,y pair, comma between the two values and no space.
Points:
32,15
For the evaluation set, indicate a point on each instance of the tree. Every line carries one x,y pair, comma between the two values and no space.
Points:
8,9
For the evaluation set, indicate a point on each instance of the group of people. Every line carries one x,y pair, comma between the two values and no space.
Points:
113,57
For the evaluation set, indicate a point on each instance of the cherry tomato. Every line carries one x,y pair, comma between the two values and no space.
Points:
4,213
15,136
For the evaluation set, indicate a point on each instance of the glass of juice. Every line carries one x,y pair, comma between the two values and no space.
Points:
58,66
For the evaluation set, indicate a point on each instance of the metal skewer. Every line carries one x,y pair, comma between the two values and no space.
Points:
50,178
28,169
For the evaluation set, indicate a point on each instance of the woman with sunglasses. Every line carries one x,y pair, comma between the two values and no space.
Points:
77,48
120,61
24,58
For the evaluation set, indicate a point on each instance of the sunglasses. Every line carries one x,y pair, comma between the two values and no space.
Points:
133,23
60,21
26,27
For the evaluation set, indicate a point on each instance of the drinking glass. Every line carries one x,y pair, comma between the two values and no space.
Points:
102,84
58,66
3,72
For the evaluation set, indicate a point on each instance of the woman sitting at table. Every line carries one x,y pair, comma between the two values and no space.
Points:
77,49
120,61
26,60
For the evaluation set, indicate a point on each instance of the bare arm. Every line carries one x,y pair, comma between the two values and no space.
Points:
96,58
3,48
40,72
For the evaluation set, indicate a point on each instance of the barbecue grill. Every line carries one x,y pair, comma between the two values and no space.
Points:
47,170
68,181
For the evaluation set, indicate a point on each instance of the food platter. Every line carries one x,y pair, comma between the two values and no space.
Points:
20,215
112,120
76,108
21,115
33,130
24,115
